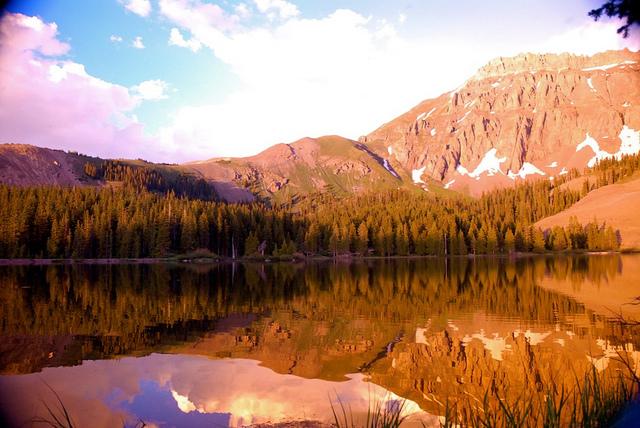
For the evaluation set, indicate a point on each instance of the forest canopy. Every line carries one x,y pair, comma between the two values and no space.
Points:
133,222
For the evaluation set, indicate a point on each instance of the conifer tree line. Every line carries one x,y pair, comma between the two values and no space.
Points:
132,222
152,179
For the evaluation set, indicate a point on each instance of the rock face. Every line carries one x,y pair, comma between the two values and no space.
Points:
530,115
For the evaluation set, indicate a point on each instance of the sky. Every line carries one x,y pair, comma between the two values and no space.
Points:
182,80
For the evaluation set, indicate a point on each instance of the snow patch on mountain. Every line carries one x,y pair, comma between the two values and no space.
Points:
526,169
553,164
629,145
416,175
446,186
490,164
629,141
608,66
590,83
425,114
462,170
433,132
600,154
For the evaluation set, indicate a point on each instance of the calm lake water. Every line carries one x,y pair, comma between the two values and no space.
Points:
245,344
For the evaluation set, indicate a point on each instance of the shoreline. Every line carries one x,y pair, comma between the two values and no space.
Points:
268,260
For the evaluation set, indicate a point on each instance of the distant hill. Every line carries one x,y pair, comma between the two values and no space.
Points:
285,172
24,165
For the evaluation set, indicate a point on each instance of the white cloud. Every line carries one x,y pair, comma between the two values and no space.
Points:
195,14
151,90
242,10
115,38
55,102
176,39
139,7
402,18
137,43
341,74
589,38
281,8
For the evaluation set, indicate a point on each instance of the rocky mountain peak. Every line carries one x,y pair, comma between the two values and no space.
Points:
530,62
518,118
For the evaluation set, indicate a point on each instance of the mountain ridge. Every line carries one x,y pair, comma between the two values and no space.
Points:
518,117
526,116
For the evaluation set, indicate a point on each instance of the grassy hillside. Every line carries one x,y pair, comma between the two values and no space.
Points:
617,205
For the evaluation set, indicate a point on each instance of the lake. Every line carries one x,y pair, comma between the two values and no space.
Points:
195,345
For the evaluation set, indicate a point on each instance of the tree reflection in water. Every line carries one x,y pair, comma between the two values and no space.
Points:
426,329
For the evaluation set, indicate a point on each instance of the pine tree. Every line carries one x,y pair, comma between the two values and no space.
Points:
334,240
537,240
611,239
162,242
481,242
251,244
55,244
558,239
462,247
509,242
311,238
402,240
188,232
362,242
492,241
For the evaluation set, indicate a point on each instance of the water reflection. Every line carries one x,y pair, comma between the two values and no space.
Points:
247,344
190,391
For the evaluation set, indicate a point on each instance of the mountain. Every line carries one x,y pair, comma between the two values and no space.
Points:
282,173
25,165
21,164
530,115
518,118
285,172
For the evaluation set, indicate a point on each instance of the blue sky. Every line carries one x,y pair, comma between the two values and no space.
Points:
240,76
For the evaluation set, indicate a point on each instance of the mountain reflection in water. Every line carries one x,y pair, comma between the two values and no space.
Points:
253,343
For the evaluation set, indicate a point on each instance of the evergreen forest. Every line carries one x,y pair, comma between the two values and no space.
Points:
148,216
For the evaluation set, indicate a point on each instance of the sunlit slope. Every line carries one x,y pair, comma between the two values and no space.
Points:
330,164
618,205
